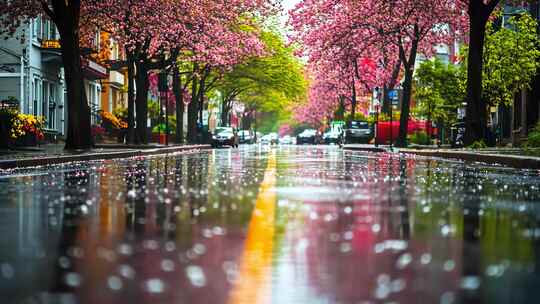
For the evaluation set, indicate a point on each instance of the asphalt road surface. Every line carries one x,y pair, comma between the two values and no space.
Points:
281,224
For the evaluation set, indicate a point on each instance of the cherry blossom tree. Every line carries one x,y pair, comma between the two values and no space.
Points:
391,33
210,34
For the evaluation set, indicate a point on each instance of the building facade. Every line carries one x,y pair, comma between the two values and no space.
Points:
31,72
114,86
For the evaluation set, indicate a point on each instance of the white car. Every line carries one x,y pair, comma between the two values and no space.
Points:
269,139
223,136
333,137
286,140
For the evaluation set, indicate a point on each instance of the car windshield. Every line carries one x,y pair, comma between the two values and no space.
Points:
309,132
223,129
359,125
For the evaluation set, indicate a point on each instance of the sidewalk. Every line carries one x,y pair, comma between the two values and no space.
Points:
489,157
503,156
55,154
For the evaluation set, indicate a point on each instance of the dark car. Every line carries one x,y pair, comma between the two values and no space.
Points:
308,136
358,132
224,136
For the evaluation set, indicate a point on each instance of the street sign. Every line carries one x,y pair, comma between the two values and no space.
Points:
393,95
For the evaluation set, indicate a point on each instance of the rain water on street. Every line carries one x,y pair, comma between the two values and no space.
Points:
260,224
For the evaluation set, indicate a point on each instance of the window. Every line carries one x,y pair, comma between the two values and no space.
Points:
114,50
52,106
97,40
45,100
44,29
52,30
37,27
35,105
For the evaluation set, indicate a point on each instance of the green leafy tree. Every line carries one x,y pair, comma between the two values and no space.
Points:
265,84
511,59
439,91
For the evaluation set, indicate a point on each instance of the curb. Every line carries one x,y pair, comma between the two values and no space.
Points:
364,148
42,161
516,161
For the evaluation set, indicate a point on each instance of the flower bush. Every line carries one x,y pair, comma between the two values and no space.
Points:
113,120
97,131
26,124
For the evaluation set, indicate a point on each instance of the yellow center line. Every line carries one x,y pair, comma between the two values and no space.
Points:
254,280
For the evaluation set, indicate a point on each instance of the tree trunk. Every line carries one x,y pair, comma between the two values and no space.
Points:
340,113
407,91
130,138
387,103
142,103
475,117
78,135
192,112
200,97
405,107
353,102
225,111
179,96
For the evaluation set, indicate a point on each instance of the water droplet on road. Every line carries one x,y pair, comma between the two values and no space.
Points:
196,276
114,283
7,271
470,282
72,279
154,285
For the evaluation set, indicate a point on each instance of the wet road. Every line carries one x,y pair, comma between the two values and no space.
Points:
280,225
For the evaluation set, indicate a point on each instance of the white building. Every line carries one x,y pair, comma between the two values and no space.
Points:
31,72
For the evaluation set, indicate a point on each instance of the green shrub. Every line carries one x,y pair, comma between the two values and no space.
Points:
419,138
479,144
533,139
160,128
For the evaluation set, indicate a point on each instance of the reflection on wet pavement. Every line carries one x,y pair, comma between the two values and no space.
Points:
260,225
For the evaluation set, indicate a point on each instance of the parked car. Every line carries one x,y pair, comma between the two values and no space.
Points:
334,136
224,136
308,136
286,140
358,132
270,139
245,137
